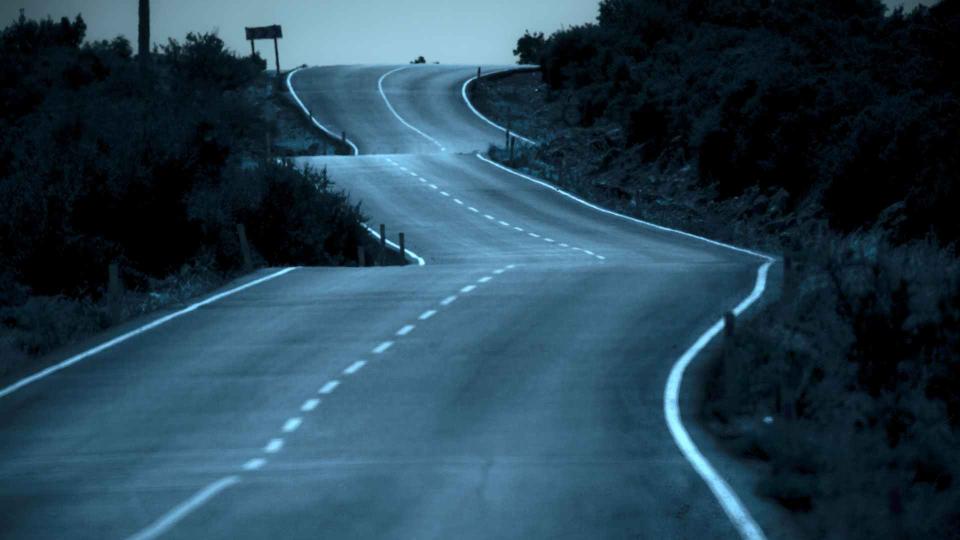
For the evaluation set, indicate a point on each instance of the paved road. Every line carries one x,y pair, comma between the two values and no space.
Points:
510,388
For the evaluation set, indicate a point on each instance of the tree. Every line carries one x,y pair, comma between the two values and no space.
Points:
529,48
419,60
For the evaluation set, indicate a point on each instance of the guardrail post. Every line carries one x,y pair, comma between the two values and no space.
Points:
383,244
244,247
403,249
513,146
343,137
478,74
729,324
114,292
361,257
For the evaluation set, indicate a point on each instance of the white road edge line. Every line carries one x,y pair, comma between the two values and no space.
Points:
400,118
738,514
133,333
171,518
463,92
356,151
394,245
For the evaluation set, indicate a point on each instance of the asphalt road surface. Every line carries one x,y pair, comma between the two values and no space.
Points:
510,388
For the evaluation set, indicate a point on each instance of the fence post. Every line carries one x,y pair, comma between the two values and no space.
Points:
244,247
361,257
114,292
343,137
729,324
478,74
507,144
383,244
403,249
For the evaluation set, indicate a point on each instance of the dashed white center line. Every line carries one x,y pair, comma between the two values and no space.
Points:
354,367
292,424
488,216
424,180
329,387
458,201
427,314
588,252
564,245
511,266
484,279
548,240
381,348
518,229
444,193
254,464
468,288
499,271
535,235
433,186
504,223
404,169
405,330
413,174
601,257
273,446
472,209
310,405
448,300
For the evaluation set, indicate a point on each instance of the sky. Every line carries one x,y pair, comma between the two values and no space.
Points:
327,32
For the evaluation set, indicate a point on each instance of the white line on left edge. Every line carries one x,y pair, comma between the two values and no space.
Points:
182,510
133,333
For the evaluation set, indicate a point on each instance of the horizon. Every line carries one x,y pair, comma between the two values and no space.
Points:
463,33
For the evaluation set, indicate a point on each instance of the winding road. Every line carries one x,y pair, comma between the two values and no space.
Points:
510,387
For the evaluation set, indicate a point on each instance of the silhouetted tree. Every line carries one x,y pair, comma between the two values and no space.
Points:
419,60
529,48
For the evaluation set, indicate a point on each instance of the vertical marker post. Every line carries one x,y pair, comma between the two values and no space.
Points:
114,291
244,247
403,249
361,257
383,243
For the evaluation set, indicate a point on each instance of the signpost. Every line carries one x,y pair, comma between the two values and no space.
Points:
266,32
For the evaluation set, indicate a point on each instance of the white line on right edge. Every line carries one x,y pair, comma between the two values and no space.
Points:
133,333
182,510
731,504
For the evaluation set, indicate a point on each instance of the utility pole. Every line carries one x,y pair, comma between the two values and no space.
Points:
143,50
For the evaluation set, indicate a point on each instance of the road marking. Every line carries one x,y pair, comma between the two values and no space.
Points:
444,193
448,300
564,245
405,330
133,333
354,367
519,229
588,252
171,518
504,223
330,387
499,271
292,424
356,151
472,209
427,314
381,348
484,279
488,216
394,245
424,180
433,186
310,405
601,257
274,446
254,464
400,118
458,201
535,235
404,169
468,288
463,92
511,266
414,174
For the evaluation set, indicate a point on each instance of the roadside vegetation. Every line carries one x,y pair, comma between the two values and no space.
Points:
149,165
823,131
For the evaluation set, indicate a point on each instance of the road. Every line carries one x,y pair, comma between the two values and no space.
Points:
510,388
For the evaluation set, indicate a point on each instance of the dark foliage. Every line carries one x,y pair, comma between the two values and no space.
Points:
104,159
828,98
419,60
529,47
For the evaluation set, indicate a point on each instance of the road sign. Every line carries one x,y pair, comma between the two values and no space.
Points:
273,32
